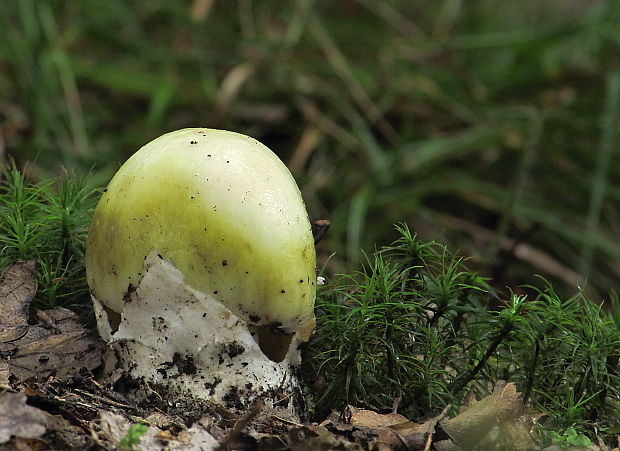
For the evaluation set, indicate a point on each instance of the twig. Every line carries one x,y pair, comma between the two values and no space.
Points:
48,321
396,403
284,420
104,400
523,251
240,425
460,382
433,423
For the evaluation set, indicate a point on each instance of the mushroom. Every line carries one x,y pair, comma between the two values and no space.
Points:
201,264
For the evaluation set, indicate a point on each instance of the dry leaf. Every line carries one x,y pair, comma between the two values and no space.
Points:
17,289
58,344
193,439
370,419
471,426
19,419
64,349
388,431
112,426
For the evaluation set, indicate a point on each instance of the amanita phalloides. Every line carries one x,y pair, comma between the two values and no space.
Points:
201,264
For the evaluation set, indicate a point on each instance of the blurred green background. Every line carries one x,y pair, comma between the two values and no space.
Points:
489,125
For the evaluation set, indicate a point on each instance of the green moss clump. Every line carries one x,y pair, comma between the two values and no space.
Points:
48,222
416,325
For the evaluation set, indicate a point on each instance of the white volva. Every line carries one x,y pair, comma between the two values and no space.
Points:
201,263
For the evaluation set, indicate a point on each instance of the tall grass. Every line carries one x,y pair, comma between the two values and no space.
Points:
488,125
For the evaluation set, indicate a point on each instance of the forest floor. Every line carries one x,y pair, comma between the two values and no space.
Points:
55,397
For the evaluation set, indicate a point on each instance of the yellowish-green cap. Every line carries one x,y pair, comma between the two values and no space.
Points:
224,210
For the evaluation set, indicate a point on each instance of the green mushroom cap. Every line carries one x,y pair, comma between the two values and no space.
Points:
224,210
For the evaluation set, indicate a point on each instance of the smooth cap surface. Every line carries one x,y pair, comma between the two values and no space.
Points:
224,210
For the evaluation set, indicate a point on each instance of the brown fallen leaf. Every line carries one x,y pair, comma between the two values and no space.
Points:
471,426
18,286
389,431
64,350
370,419
19,419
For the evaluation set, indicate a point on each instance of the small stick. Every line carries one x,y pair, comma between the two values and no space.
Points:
104,400
396,404
240,425
48,321
431,429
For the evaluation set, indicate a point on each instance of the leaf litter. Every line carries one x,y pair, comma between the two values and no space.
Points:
53,399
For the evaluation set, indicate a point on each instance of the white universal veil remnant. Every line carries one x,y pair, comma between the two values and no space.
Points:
201,264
